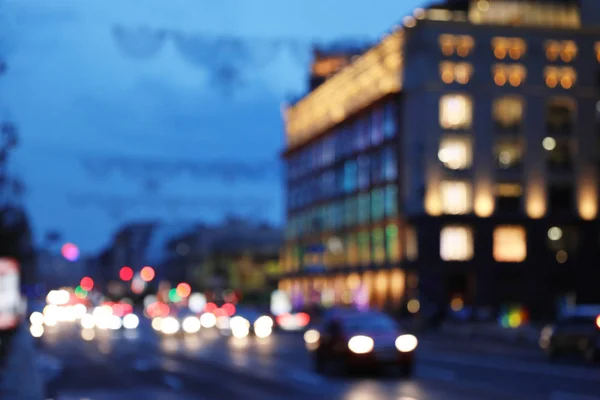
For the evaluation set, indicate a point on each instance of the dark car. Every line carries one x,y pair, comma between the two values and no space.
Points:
354,340
573,334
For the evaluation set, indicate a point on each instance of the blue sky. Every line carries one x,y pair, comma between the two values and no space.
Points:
75,94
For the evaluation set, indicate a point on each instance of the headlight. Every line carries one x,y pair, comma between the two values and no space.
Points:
547,332
264,321
360,344
406,343
191,325
208,320
169,326
131,321
311,336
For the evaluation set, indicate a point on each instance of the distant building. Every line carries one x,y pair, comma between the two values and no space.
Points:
455,162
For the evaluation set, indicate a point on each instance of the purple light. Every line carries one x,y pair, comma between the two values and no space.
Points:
70,252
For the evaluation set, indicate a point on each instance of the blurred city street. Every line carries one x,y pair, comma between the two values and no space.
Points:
138,364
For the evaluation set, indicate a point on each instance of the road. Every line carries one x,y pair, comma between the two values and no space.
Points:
208,366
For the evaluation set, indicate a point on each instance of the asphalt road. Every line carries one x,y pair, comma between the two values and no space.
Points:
125,365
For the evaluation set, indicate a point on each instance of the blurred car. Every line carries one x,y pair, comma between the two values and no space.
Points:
353,339
575,333
248,321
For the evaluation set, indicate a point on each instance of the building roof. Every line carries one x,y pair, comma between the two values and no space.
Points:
157,251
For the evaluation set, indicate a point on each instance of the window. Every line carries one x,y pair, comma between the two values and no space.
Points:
514,74
391,200
510,243
504,47
412,245
508,197
456,152
456,111
338,216
350,176
352,249
392,242
389,120
566,50
597,49
565,76
456,243
463,45
376,168
376,127
390,169
364,208
560,115
362,130
455,72
561,198
378,238
363,172
508,153
508,113
560,155
456,197
377,204
351,211
364,249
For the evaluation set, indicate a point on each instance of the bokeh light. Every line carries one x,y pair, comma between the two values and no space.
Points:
126,273
80,292
196,302
183,290
173,296
70,252
87,283
147,274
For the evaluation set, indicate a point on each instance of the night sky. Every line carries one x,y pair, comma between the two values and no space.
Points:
76,95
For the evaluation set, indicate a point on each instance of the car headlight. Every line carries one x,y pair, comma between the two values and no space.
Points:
406,343
311,336
360,344
191,324
131,321
170,326
264,321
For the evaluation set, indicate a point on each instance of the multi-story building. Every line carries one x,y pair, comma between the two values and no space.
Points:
455,162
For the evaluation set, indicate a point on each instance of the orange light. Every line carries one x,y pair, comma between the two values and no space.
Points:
147,274
184,290
87,283
598,321
500,79
500,53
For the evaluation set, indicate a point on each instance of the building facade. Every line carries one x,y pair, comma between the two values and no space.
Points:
454,163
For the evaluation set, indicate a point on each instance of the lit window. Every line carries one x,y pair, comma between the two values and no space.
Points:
508,153
456,243
553,49
378,238
463,45
509,190
565,76
515,48
447,43
364,248
391,200
508,112
456,111
352,249
447,72
377,204
597,49
514,74
568,51
392,243
412,246
508,197
455,153
455,72
510,244
456,197
364,208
